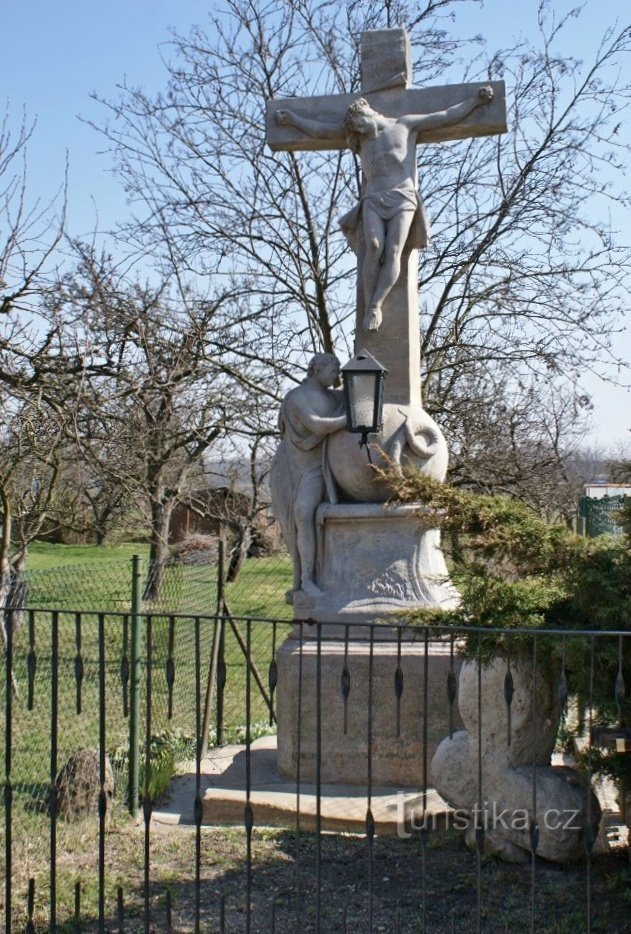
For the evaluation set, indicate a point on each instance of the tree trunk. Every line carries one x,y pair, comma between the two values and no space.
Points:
5,543
6,577
159,548
239,552
17,592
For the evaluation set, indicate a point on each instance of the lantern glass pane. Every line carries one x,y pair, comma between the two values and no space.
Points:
362,399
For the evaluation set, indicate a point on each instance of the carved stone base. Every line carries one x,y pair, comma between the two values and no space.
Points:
398,755
374,561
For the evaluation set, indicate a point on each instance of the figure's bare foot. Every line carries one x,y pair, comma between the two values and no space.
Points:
373,318
311,589
289,596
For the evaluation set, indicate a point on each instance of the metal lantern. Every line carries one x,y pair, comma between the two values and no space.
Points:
363,378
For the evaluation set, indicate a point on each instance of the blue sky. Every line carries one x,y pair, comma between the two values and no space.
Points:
55,53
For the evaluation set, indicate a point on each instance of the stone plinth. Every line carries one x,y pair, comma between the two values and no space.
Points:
398,754
376,560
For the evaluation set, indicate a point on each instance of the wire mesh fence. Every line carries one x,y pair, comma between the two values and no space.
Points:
186,587
106,589
64,648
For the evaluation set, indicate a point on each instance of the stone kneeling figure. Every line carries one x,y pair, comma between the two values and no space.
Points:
309,413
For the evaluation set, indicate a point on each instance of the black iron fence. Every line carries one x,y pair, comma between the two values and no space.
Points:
351,836
124,591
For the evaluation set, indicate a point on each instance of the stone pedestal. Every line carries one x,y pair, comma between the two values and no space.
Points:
398,755
376,560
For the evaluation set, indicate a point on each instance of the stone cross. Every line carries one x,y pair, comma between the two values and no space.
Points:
386,73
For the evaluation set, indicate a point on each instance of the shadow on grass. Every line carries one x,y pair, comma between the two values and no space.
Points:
400,887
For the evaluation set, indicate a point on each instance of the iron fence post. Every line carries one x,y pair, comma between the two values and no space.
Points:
134,692
214,653
221,645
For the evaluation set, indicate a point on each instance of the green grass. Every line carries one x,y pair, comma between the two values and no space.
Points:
105,585
87,577
261,587
44,555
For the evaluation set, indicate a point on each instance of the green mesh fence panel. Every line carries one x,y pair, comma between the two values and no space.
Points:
601,515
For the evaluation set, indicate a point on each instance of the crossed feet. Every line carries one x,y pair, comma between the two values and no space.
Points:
373,318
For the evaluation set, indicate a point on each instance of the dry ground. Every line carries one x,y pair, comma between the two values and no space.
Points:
283,866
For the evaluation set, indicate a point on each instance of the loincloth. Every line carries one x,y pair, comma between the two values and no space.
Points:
388,204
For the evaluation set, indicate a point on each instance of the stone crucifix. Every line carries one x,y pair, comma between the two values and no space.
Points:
383,126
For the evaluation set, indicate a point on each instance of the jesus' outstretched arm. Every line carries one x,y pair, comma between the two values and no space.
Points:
317,128
421,122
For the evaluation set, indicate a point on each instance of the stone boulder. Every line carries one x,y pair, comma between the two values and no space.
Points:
498,774
78,786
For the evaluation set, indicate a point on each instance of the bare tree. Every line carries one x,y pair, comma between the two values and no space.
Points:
30,231
31,422
30,461
517,440
525,269
157,386
209,195
243,510
618,464
29,464
91,504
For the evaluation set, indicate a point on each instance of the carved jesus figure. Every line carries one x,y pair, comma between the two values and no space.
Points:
390,208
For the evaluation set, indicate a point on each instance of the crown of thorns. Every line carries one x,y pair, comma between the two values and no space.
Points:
359,105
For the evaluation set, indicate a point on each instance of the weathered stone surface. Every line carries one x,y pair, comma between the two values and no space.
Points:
409,437
367,560
317,461
398,754
309,413
376,560
516,782
331,108
386,59
389,215
78,785
535,712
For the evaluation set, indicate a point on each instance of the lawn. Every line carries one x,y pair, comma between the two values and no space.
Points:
104,585
87,577
43,555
